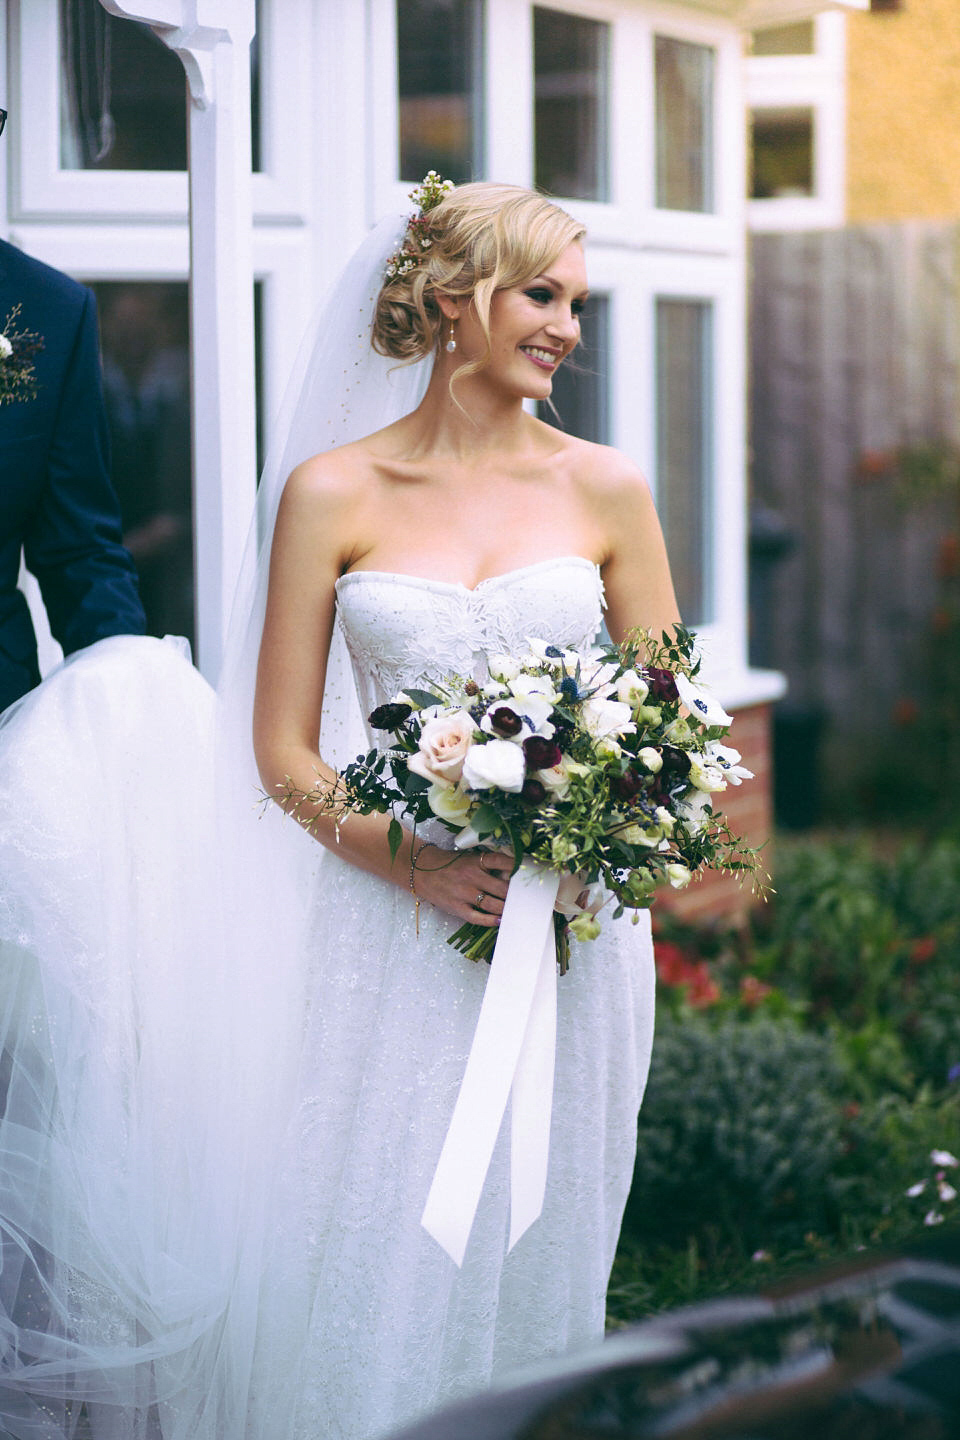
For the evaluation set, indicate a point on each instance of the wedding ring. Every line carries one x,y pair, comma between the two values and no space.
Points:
482,866
478,903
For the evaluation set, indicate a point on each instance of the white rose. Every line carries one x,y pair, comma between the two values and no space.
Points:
678,875
503,667
444,742
497,765
650,759
602,718
664,819
6,349
450,803
632,689
695,811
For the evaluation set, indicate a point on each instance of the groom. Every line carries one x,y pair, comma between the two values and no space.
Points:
56,500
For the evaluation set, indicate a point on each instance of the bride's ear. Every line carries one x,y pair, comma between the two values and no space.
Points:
451,307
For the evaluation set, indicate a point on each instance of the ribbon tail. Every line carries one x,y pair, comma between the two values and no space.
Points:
531,1100
492,1063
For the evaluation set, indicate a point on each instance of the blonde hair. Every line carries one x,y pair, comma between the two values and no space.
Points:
484,237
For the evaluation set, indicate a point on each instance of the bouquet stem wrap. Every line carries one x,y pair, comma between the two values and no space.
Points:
512,1054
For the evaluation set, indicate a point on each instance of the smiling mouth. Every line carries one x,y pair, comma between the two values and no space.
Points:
546,359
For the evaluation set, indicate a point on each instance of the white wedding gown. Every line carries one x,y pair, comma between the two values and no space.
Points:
360,1321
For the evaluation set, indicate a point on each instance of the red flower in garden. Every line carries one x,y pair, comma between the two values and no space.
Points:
753,991
923,949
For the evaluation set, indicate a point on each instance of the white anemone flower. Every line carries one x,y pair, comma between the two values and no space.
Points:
701,703
728,760
557,656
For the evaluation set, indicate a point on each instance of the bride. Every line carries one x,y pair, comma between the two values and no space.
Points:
231,1053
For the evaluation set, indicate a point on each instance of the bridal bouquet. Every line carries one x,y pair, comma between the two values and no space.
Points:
598,765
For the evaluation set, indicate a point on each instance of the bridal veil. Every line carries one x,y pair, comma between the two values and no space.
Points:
151,985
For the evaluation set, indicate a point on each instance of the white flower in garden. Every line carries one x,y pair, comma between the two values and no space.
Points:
946,1192
6,349
602,718
678,875
632,689
705,776
943,1157
450,803
524,687
933,1217
728,760
444,742
503,667
916,1189
497,765
701,703
650,759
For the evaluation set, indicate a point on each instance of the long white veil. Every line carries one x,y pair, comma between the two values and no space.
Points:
152,984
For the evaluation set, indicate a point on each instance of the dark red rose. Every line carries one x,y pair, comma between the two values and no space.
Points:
626,786
663,686
534,791
676,764
390,717
506,722
541,754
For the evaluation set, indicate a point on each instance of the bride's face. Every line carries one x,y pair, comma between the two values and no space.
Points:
533,327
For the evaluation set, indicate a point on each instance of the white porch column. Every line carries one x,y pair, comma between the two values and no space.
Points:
212,38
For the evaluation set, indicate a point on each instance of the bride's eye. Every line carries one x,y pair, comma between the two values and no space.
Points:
540,294
577,307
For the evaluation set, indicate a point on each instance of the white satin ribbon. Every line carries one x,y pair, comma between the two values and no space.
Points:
513,1051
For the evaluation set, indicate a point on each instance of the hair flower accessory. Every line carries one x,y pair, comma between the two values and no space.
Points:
426,196
17,349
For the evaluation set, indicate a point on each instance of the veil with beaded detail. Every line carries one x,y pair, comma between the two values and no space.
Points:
151,983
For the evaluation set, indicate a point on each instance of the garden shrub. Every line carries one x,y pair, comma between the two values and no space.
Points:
740,1134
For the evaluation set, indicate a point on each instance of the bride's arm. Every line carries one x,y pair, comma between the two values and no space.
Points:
636,572
317,527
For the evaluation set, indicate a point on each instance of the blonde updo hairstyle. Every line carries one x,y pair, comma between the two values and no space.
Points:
484,237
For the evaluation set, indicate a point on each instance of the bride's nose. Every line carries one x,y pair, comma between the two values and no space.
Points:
564,327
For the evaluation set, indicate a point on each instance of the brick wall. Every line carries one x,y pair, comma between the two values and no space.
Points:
749,809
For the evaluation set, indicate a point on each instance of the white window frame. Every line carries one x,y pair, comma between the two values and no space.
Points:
42,190
816,83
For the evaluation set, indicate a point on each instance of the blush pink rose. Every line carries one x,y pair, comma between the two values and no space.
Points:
444,741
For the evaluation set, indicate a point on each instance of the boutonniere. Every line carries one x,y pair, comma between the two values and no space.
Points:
17,349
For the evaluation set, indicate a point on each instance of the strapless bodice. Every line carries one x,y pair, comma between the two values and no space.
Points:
407,629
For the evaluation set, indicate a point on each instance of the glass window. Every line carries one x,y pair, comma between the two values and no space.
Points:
123,102
570,59
796,39
684,119
440,86
580,399
781,153
144,336
684,430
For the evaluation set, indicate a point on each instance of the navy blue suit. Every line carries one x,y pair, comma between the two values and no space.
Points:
56,499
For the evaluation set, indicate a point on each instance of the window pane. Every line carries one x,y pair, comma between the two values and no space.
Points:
440,87
684,100
781,153
146,377
581,391
796,39
123,97
684,400
570,104
122,94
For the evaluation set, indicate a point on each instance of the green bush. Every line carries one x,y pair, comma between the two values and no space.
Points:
741,1133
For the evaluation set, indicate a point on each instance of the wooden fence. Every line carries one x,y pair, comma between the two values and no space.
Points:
855,439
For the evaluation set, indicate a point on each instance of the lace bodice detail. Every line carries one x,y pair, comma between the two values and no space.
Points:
406,630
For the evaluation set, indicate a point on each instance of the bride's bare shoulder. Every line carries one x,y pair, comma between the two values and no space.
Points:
343,478
606,475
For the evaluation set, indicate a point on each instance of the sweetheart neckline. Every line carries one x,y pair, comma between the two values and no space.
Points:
505,576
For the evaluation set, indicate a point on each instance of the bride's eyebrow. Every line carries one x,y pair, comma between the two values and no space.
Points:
581,294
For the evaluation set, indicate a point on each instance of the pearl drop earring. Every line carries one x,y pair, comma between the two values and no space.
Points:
451,344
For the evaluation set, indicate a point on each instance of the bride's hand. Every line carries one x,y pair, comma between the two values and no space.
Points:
471,885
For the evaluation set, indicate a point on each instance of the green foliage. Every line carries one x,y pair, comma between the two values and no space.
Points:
741,1132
